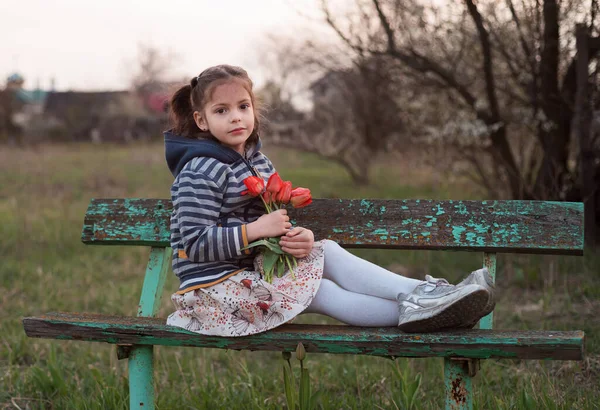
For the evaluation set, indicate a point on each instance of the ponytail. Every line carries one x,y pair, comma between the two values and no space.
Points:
182,113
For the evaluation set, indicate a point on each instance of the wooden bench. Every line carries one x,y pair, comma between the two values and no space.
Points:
483,226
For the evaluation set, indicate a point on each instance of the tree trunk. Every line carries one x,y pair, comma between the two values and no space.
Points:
582,131
358,170
554,135
502,154
504,159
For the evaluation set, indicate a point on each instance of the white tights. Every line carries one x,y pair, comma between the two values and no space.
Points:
358,292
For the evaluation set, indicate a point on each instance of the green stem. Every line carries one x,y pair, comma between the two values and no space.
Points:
267,207
289,264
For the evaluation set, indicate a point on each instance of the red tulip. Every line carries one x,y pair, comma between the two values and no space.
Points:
275,183
284,193
267,196
247,283
255,186
300,197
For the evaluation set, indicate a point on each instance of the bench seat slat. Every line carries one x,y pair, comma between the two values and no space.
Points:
483,344
487,226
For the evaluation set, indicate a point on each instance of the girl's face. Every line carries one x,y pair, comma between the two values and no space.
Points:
228,115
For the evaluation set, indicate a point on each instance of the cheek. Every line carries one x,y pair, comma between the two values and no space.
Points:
216,122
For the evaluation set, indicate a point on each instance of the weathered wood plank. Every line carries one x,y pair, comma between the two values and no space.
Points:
488,226
481,344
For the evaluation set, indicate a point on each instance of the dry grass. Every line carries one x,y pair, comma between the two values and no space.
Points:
44,192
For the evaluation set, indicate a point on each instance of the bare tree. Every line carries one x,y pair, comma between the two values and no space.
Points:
151,68
508,68
354,111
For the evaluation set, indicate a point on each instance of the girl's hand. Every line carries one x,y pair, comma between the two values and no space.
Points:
276,223
298,242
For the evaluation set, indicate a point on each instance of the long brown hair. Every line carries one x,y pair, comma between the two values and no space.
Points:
197,93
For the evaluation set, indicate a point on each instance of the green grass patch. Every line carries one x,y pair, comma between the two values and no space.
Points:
44,193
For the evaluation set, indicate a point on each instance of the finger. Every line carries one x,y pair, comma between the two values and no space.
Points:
295,232
297,238
302,237
283,211
293,245
298,253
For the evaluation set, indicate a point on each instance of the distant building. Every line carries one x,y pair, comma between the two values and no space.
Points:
79,116
96,116
107,115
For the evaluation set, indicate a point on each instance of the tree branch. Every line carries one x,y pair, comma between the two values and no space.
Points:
386,26
483,178
337,30
528,55
510,61
487,59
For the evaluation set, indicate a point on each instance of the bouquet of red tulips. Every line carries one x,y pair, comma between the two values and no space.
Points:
276,195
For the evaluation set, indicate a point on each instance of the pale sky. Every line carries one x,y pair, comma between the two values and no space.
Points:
91,45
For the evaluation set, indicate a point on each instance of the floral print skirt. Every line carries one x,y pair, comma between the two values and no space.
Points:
244,304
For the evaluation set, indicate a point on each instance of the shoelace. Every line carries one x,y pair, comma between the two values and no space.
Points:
436,281
433,283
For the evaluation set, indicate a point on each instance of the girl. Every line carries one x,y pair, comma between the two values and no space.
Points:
213,146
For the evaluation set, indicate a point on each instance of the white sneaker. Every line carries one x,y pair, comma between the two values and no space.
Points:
482,278
436,305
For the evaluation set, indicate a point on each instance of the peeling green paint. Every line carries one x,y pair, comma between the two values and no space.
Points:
473,238
500,226
461,209
372,341
473,225
405,234
457,231
458,386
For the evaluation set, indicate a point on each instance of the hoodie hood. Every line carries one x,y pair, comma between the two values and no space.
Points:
180,150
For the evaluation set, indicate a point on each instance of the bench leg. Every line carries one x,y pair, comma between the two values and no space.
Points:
141,370
457,381
141,383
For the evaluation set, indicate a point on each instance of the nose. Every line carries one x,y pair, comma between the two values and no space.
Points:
235,116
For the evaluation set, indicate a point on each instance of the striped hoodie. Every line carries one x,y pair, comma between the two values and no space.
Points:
208,224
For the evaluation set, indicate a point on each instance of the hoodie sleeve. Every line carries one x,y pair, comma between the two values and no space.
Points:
197,204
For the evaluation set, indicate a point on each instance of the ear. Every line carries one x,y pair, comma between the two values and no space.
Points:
200,122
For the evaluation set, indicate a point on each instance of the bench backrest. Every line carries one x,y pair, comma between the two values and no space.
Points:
486,226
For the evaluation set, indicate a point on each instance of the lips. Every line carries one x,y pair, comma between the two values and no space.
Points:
237,130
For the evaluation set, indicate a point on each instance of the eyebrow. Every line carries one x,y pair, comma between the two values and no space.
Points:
239,102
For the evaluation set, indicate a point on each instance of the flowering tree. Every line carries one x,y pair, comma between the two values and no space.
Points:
497,82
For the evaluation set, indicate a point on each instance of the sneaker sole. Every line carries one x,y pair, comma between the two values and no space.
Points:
463,310
485,280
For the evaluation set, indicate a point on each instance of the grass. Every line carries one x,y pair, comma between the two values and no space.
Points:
44,192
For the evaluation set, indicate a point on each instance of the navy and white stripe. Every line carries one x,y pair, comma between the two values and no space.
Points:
209,218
